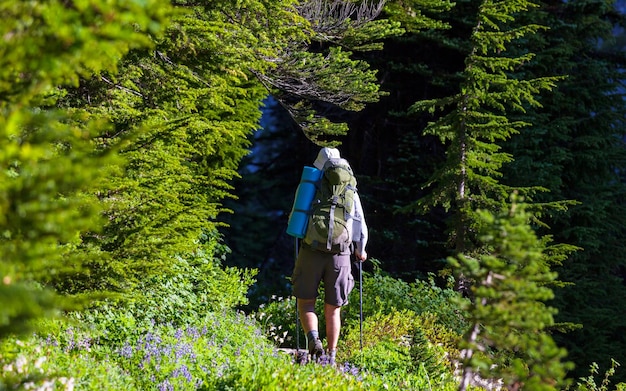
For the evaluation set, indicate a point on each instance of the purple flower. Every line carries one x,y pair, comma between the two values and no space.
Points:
166,386
52,341
126,351
193,332
183,371
352,370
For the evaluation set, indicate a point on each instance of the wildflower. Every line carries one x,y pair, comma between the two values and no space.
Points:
50,341
126,351
183,371
68,383
20,363
39,362
193,332
165,385
183,350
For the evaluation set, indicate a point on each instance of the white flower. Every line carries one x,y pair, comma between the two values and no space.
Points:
20,363
40,361
68,383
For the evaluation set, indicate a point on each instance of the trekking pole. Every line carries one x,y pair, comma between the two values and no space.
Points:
360,303
297,312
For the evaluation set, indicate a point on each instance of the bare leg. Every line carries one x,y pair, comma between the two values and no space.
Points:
333,325
306,308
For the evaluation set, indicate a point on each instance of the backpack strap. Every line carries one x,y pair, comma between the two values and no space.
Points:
331,223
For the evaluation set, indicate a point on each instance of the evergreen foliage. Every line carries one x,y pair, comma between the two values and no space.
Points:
575,148
316,77
509,338
126,124
475,119
181,118
474,124
49,163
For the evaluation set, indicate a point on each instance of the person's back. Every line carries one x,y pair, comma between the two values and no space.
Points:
326,259
330,223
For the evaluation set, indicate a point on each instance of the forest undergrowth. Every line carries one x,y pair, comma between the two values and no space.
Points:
406,341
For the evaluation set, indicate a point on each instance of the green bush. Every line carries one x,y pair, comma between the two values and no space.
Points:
40,364
589,383
383,294
191,288
395,326
398,343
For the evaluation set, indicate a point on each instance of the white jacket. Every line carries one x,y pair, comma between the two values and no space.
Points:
359,227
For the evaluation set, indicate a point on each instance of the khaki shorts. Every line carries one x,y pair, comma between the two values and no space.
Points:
312,267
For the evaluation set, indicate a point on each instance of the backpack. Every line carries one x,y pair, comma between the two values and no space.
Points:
330,224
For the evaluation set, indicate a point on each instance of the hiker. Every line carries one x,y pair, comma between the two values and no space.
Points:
331,266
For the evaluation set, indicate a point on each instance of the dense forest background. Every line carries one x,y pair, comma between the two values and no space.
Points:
150,153
573,150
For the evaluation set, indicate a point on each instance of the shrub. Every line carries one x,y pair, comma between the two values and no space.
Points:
589,383
398,343
191,288
277,321
33,363
383,294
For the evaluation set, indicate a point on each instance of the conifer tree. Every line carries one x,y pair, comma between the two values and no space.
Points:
475,123
274,167
575,149
318,78
183,115
48,160
509,338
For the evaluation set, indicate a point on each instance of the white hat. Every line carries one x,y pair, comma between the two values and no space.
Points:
325,154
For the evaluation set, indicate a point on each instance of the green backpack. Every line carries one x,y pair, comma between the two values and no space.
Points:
330,224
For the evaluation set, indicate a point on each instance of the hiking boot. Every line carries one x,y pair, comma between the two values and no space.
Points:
316,350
